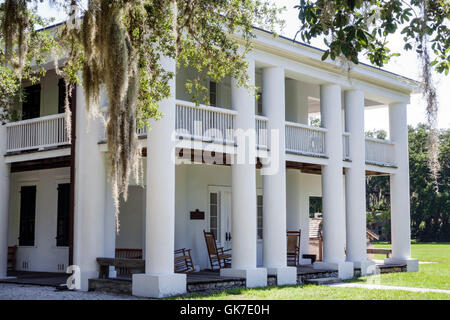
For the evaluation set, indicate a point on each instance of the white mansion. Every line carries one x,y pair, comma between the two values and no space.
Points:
56,204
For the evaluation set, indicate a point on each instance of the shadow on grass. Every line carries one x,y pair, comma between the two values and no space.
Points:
232,292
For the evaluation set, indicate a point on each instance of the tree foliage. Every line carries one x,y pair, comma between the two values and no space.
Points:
430,209
430,203
353,27
118,44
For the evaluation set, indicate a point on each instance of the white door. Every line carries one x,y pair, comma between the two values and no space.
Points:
219,218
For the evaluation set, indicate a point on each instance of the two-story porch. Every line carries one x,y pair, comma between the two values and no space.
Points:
192,160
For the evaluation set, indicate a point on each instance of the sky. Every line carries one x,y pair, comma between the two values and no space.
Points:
406,65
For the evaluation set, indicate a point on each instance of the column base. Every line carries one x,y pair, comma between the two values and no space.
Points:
158,285
367,267
345,269
256,277
412,265
285,275
82,283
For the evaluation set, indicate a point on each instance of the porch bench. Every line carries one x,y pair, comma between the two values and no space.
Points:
182,263
387,252
129,264
127,253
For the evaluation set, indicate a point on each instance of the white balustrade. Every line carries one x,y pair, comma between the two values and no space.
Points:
37,133
380,151
261,131
304,139
204,122
345,145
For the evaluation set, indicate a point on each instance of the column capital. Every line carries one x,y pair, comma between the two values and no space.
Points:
330,85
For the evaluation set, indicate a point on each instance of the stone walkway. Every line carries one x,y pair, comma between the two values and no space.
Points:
383,287
9,291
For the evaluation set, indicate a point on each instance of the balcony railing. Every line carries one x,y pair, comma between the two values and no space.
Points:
38,133
380,151
261,132
204,123
345,145
304,139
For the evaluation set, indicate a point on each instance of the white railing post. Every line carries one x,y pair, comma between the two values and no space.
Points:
380,152
304,139
38,133
204,122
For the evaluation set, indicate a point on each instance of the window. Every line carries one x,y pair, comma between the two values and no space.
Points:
62,96
259,208
213,93
62,232
259,105
27,215
214,214
31,106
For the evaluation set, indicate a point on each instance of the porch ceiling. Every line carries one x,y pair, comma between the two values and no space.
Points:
41,164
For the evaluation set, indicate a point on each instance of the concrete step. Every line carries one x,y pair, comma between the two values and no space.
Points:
322,281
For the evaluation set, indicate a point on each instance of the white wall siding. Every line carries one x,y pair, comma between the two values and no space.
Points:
44,255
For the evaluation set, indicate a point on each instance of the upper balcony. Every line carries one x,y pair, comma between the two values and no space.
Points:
43,126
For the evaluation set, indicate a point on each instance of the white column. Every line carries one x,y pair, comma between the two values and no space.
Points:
400,207
4,204
159,279
110,228
244,239
274,182
355,183
332,185
89,194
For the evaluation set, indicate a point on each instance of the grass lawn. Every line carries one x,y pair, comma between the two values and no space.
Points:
312,292
435,275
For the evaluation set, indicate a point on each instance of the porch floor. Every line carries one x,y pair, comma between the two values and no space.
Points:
204,280
52,279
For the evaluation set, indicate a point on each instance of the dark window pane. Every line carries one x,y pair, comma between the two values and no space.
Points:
213,223
213,198
212,93
27,215
31,106
213,211
62,232
259,111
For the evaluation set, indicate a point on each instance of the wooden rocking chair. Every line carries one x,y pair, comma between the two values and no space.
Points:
293,248
218,257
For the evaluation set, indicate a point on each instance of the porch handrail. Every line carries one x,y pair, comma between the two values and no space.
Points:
204,107
377,140
261,131
33,120
380,151
305,139
202,122
304,126
346,145
37,133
